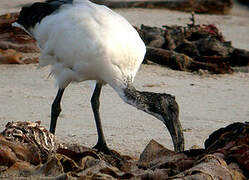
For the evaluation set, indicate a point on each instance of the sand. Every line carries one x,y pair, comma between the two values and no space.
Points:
207,102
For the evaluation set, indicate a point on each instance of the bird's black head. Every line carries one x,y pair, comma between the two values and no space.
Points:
164,107
33,14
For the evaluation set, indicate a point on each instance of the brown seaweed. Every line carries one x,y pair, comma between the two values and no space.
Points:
28,150
191,48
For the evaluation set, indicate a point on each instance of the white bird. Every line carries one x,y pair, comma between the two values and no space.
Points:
83,41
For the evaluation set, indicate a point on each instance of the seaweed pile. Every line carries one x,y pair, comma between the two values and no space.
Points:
192,48
28,150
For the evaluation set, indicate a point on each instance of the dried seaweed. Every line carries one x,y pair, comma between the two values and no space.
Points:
24,148
191,48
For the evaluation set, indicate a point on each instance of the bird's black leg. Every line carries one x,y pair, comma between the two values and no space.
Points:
55,110
101,144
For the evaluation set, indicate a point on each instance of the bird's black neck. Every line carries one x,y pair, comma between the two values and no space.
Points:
149,102
162,106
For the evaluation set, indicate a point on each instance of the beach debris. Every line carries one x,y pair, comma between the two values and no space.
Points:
233,143
198,6
192,48
180,61
31,134
28,150
15,43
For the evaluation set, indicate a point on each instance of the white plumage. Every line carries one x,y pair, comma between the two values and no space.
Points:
89,42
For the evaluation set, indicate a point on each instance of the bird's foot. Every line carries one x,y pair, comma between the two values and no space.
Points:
102,147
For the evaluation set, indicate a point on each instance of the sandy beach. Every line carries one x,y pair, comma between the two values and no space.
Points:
207,102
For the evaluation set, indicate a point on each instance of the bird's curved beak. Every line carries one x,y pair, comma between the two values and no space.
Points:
17,25
171,120
176,132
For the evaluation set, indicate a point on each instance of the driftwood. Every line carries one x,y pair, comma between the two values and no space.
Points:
198,6
179,61
191,48
28,150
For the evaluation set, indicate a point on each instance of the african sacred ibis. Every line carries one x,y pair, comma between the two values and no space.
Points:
83,41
